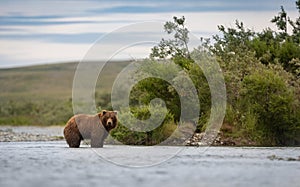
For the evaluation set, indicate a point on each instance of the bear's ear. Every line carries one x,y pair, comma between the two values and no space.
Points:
103,112
116,112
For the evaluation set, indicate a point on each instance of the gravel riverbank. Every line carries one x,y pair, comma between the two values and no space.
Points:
52,133
30,133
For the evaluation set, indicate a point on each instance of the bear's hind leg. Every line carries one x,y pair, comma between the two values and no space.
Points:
72,134
75,142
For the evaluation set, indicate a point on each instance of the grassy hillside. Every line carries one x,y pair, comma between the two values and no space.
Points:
41,95
52,81
37,82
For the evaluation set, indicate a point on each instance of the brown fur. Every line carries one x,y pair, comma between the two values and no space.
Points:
94,127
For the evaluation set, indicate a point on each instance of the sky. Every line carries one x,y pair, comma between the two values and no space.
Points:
51,31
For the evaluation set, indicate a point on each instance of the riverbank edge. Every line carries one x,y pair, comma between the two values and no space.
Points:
55,133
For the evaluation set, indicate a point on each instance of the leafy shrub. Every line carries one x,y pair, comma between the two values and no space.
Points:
124,134
266,96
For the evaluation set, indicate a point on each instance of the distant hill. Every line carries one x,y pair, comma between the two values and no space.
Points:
52,81
37,82
42,95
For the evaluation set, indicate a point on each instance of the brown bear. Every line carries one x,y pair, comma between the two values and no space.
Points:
94,127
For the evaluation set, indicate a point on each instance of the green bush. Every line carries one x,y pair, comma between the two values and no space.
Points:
266,97
127,136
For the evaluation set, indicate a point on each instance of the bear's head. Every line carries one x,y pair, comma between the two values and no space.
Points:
108,119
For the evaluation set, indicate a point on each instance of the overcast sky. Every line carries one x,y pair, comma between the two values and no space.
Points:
38,32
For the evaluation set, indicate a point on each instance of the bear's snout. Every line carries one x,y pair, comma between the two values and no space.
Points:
109,122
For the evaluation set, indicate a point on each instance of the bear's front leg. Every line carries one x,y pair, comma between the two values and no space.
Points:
96,143
97,139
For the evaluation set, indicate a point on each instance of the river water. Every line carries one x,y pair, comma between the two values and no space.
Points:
52,163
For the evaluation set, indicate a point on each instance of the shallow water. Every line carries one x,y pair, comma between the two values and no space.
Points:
54,164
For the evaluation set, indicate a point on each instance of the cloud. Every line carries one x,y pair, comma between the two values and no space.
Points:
19,53
52,31
55,8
